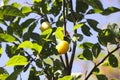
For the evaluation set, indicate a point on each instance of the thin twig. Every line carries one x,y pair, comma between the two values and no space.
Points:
109,53
62,62
74,45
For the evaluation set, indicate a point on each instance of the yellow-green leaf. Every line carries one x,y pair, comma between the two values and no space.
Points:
7,37
17,60
26,9
1,50
37,0
66,78
26,44
78,26
59,33
37,47
3,76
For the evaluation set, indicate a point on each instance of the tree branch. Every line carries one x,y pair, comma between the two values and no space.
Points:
74,45
65,33
109,53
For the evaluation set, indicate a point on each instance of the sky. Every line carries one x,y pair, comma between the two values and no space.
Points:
103,22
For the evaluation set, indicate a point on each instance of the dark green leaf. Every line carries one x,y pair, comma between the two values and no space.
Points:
106,36
14,75
32,27
86,45
96,70
35,36
3,22
93,24
26,23
33,74
86,30
81,6
10,11
96,49
39,63
87,54
11,50
96,4
101,77
55,10
113,61
110,10
78,16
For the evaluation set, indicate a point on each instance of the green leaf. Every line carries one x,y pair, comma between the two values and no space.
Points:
7,38
78,16
47,33
77,26
59,33
106,36
15,4
86,30
101,77
37,0
96,49
96,4
110,10
26,9
113,61
26,23
17,60
37,47
93,24
77,37
10,11
6,1
66,78
87,54
3,74
93,11
86,45
35,36
33,74
39,63
14,75
81,6
1,50
25,44
32,27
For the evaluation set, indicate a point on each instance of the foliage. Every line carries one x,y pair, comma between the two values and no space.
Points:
29,49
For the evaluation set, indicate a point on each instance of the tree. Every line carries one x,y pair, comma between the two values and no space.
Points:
30,50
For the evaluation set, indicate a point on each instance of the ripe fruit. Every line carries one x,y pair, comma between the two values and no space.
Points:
44,26
62,47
